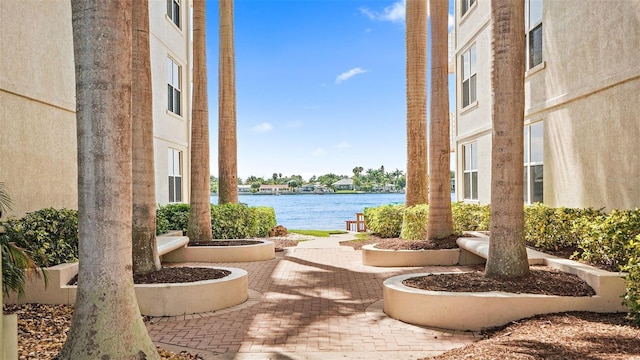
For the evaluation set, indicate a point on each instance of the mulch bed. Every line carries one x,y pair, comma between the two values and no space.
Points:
563,336
542,280
399,244
42,330
226,243
172,275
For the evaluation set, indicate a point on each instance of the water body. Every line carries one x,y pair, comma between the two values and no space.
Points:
325,212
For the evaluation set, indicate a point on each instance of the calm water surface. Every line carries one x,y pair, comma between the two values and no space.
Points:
327,212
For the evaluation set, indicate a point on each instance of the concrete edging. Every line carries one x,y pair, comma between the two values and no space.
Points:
223,254
153,299
475,311
403,258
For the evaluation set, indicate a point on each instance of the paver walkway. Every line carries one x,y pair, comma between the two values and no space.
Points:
313,302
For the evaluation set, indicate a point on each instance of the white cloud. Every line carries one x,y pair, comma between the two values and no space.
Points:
262,128
392,13
319,152
450,21
347,74
343,145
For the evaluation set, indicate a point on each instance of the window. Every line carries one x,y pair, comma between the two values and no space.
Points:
173,11
533,27
533,159
175,175
470,171
469,77
173,87
466,5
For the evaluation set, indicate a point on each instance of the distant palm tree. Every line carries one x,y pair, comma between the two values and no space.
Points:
102,42
145,250
416,43
199,227
440,223
507,252
227,139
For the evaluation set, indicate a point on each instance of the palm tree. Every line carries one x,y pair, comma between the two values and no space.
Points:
507,251
199,227
440,223
416,43
227,140
145,251
102,42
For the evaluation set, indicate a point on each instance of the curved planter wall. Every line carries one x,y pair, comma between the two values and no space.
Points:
193,297
223,254
400,258
153,299
475,311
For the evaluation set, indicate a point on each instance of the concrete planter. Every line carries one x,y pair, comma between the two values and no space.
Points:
265,250
153,299
402,258
475,311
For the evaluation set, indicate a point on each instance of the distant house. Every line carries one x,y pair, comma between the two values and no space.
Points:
344,184
244,189
274,189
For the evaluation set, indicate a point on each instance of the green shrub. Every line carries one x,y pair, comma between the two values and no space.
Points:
265,219
632,268
470,217
49,236
611,242
384,221
548,228
415,222
172,217
238,221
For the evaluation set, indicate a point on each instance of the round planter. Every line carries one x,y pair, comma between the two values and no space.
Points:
265,250
193,297
471,311
401,258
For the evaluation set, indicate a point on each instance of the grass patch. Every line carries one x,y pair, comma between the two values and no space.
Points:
317,233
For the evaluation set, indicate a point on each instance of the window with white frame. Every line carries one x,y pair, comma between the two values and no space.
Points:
466,5
173,86
470,175
469,76
173,11
175,175
533,163
533,27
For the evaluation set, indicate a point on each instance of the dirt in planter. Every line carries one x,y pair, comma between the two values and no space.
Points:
226,243
542,280
172,275
400,244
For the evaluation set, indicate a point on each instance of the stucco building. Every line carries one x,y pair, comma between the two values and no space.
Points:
38,160
582,87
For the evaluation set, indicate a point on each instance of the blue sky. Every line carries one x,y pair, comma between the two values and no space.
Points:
320,86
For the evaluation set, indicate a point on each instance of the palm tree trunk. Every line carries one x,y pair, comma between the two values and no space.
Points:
199,228
416,43
507,250
227,140
145,251
106,320
440,219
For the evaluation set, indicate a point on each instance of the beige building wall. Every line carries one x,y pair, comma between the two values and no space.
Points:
37,116
38,149
586,93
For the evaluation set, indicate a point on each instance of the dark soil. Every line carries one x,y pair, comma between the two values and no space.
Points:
172,275
563,336
394,244
541,280
226,243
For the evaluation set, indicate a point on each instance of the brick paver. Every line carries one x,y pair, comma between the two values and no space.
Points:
312,304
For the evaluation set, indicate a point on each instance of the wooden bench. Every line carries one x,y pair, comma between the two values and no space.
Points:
358,224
